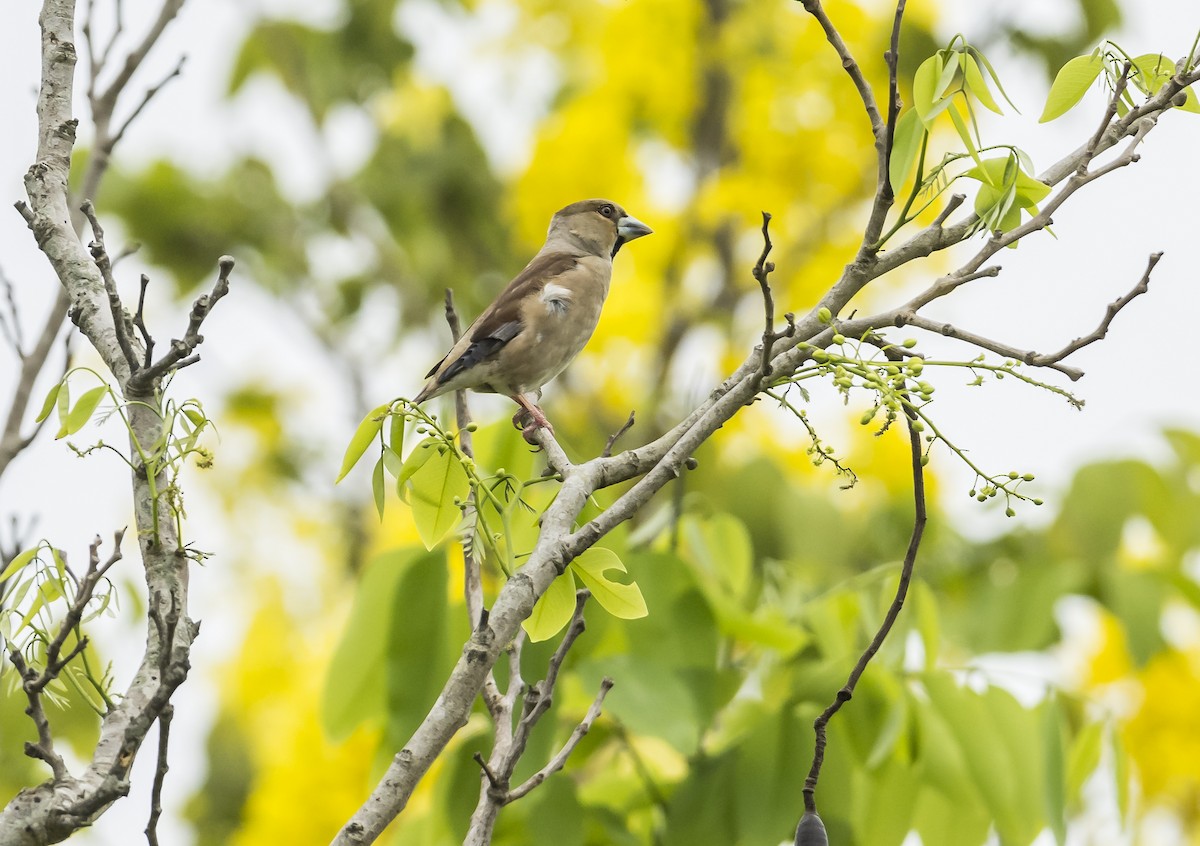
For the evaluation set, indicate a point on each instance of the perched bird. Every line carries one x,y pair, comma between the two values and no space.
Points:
545,316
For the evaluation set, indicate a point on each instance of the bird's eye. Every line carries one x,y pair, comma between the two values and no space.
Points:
607,211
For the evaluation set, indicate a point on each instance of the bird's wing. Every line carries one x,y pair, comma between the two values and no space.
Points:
502,321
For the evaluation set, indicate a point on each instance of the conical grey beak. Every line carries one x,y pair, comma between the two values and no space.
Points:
629,227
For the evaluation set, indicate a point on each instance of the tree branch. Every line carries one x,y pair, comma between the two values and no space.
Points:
510,744
906,570
181,354
53,810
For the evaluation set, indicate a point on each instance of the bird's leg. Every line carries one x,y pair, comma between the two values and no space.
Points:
533,413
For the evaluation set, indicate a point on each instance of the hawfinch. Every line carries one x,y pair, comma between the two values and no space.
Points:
541,321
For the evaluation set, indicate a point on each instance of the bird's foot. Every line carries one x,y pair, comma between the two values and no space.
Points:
529,419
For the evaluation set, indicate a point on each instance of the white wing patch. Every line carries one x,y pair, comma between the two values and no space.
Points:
556,298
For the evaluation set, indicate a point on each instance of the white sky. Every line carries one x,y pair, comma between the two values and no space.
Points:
1051,291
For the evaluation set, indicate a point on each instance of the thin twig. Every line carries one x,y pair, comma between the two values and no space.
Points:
908,318
182,352
906,570
616,436
146,98
761,272
1101,331
560,759
160,773
100,256
139,320
1109,112
13,333
43,750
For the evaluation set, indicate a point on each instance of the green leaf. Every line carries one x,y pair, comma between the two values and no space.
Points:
906,145
1071,83
620,600
964,132
977,54
435,491
1190,104
1153,71
976,84
396,432
48,402
928,625
1120,772
82,412
946,77
925,86
721,546
64,406
392,462
1083,758
363,435
197,417
60,566
377,485
18,562
415,461
355,689
1054,794
553,610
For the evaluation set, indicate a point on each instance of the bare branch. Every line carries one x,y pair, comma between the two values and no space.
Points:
616,436
168,11
181,353
560,759
146,98
1101,331
510,745
160,774
43,750
908,318
1089,151
100,256
906,570
53,810
139,320
12,333
762,270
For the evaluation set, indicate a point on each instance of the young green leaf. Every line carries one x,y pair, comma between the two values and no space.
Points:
363,435
1054,796
553,610
620,600
392,462
1083,758
960,126
925,83
48,402
948,74
83,410
64,405
415,461
976,85
396,432
906,145
977,54
436,491
377,485
1071,83
18,562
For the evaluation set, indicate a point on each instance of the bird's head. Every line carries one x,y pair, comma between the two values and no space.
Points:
598,227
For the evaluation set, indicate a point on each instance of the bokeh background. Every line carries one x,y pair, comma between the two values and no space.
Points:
360,157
